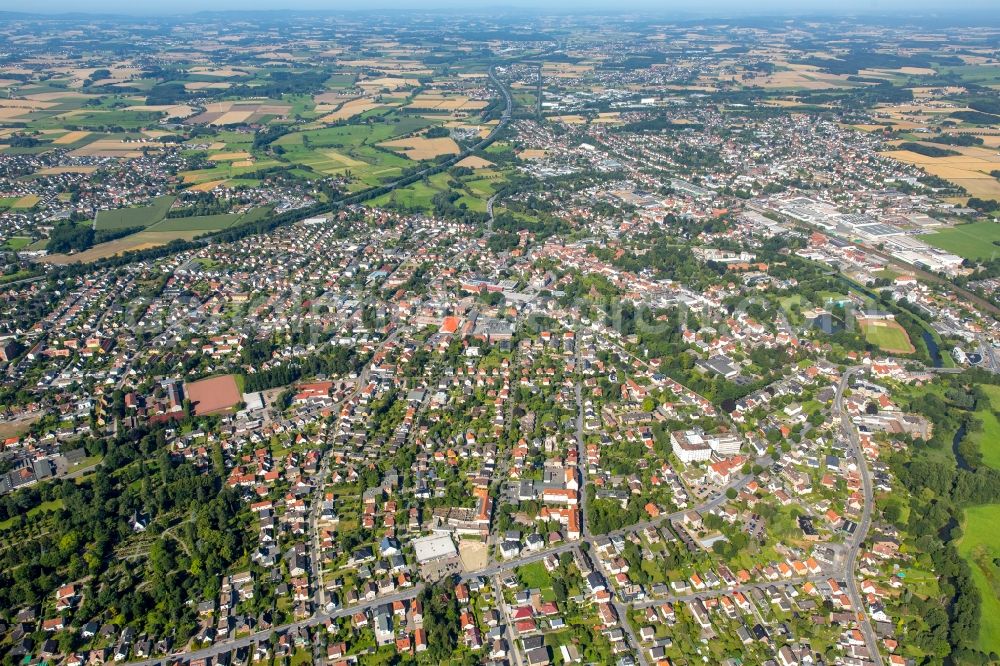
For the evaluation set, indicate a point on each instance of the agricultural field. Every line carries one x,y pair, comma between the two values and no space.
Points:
351,108
971,169
197,223
126,218
423,148
976,241
226,171
27,201
474,192
353,151
159,233
980,546
142,240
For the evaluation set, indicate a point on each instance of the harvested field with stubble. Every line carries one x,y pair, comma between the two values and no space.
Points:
421,148
532,154
27,201
970,170
474,162
55,171
350,109
207,186
142,240
71,137
229,157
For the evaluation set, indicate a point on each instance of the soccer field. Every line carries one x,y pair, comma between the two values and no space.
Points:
889,336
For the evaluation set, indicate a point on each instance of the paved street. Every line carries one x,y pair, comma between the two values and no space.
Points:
493,571
850,433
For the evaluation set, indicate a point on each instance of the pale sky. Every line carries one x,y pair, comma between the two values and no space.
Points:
691,7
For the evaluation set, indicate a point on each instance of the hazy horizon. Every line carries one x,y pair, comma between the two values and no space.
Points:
687,7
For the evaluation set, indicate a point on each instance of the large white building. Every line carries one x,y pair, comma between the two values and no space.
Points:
725,445
690,446
693,446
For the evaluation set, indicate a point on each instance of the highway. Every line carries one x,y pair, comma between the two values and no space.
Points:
438,168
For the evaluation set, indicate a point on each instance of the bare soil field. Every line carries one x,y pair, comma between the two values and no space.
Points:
17,427
474,554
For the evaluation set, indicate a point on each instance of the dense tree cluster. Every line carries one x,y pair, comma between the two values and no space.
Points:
81,539
939,493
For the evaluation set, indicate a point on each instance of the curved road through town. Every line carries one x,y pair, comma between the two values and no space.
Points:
850,434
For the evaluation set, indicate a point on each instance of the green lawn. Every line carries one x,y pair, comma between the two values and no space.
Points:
22,274
124,218
973,241
344,80
980,545
989,438
44,507
788,301
534,575
890,338
17,242
352,149
415,196
226,170
100,118
887,274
